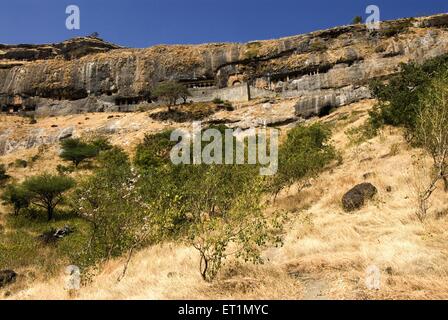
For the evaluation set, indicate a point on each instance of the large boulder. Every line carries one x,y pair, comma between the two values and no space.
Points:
66,133
7,277
357,196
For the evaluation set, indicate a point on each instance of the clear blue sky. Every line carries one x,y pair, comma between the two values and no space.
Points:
141,23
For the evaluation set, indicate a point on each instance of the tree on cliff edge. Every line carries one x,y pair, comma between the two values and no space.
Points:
169,92
357,20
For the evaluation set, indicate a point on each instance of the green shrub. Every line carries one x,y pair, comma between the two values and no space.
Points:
229,106
210,207
252,50
35,158
64,170
112,202
357,20
20,163
101,143
218,101
358,135
398,100
76,151
17,196
223,203
396,27
154,151
304,154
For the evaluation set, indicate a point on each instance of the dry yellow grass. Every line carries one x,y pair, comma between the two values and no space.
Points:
326,250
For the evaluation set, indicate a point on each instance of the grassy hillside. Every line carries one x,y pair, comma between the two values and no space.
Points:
326,251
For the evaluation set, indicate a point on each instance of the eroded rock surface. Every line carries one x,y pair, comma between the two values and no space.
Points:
326,68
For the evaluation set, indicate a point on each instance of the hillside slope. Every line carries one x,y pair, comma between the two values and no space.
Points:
326,252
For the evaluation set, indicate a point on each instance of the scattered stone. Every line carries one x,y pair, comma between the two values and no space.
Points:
356,197
389,270
439,215
55,234
66,133
7,277
368,175
65,231
54,126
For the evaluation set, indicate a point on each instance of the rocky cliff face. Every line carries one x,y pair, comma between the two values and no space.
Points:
325,67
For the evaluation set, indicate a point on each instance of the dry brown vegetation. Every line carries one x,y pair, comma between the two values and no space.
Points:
326,251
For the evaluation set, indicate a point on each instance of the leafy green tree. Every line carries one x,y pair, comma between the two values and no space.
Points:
120,216
303,155
432,135
47,190
210,207
224,205
76,151
17,196
170,92
398,99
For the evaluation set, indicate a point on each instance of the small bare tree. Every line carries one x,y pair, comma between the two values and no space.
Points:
423,184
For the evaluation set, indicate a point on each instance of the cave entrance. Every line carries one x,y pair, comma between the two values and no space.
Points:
13,108
193,84
30,108
126,101
326,110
